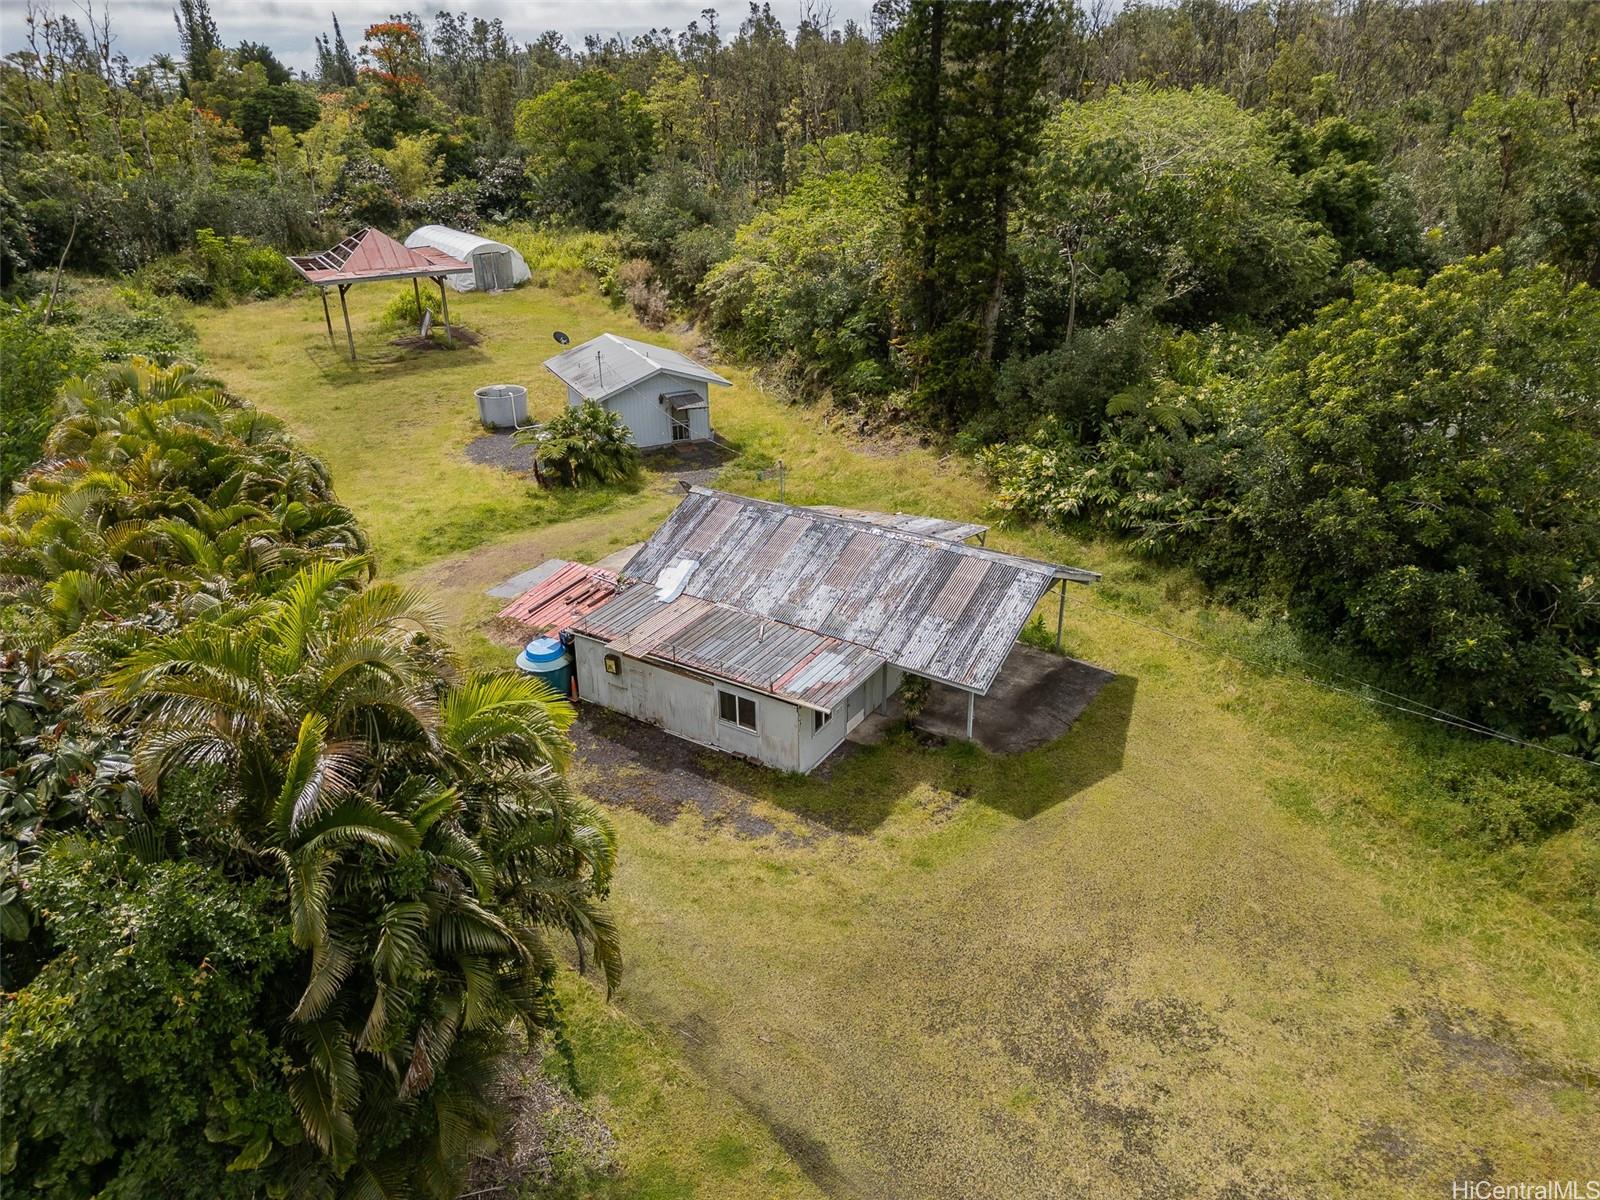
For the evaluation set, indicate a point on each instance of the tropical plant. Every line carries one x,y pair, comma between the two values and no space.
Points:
809,282
164,494
585,443
263,727
1431,456
421,832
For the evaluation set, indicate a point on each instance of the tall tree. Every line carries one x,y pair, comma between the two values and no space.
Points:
197,34
962,85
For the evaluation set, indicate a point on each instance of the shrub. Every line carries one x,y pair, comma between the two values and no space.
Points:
1426,488
132,323
403,311
809,280
36,359
1496,804
1167,462
140,1061
644,292
585,444
239,268
221,268
914,693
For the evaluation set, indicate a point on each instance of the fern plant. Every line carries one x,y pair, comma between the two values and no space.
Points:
585,444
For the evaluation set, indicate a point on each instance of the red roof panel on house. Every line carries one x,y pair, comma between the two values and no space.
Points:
558,601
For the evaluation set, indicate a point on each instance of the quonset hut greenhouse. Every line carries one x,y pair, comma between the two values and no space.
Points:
495,265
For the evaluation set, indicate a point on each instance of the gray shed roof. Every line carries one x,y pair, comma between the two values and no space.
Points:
758,653
928,605
605,365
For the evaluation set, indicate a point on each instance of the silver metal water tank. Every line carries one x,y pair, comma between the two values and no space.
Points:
502,405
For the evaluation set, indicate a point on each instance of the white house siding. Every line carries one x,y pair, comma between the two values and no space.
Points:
641,408
874,691
686,705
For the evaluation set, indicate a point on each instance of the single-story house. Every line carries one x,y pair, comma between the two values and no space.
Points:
771,630
496,267
662,396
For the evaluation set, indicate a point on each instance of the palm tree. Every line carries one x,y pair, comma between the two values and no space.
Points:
161,492
424,835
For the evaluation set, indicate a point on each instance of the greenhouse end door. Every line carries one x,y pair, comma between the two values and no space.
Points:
491,270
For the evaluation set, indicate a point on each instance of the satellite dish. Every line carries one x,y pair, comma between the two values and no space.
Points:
561,338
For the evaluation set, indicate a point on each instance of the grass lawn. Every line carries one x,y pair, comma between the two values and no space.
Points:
1196,947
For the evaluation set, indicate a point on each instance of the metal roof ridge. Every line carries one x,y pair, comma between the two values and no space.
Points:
1055,570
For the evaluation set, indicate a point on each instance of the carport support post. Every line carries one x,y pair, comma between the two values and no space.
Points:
327,316
445,303
1061,614
345,308
416,292
972,701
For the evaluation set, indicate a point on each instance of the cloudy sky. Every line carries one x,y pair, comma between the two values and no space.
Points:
141,28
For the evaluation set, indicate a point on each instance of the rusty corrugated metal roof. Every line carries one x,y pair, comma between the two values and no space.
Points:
557,601
931,606
939,527
756,652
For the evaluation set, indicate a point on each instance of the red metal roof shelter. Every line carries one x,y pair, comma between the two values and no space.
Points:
367,257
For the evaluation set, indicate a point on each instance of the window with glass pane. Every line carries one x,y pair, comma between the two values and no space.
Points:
736,710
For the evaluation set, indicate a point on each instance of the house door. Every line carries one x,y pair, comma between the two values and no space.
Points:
855,708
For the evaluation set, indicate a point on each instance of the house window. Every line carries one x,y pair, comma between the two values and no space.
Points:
680,427
818,720
736,709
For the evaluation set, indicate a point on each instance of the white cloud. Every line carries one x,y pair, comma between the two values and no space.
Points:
142,28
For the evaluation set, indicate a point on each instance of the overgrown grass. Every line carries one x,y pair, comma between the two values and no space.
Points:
562,258
1234,934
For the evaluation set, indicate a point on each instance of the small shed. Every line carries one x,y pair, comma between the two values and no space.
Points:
661,395
496,267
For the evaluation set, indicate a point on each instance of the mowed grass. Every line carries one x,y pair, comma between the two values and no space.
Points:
1186,950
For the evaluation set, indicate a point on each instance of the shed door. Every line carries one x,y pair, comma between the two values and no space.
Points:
483,272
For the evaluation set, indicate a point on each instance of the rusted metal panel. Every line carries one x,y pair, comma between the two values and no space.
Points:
561,598
763,654
928,604
950,531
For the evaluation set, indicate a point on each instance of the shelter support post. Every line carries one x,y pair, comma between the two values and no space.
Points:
345,308
972,702
416,291
327,316
444,302
1061,614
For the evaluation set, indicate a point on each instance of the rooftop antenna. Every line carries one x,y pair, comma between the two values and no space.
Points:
599,370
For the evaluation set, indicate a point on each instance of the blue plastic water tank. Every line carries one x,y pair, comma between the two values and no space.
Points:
548,659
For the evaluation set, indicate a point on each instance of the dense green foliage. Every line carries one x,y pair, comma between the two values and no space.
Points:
962,84
585,443
37,360
808,281
1428,460
1298,295
268,853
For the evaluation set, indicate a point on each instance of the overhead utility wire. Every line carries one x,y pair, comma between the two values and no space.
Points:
1412,708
